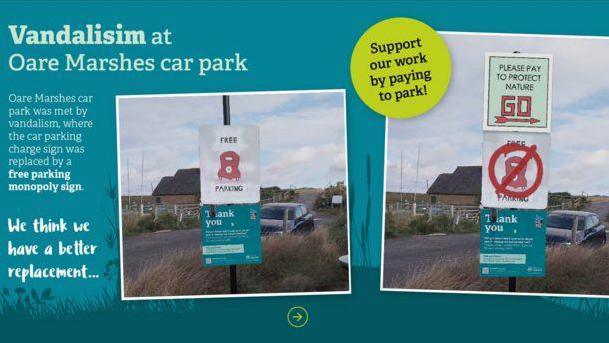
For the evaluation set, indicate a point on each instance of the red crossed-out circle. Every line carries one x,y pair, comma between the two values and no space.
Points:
530,154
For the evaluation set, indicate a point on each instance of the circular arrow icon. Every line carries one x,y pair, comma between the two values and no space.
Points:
297,317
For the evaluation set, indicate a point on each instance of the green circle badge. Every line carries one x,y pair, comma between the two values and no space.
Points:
298,317
400,68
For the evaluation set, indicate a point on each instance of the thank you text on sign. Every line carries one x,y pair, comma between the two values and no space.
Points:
231,234
512,243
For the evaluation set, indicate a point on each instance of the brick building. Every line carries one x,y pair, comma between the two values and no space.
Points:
461,187
181,188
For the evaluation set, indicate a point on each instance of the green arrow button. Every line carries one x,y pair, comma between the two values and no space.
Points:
297,317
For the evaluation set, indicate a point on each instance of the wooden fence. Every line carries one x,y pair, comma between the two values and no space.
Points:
567,203
180,211
423,208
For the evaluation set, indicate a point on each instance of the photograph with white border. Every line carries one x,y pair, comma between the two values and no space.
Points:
433,239
233,194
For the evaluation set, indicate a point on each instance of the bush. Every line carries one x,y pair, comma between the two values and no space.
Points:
399,224
284,195
324,200
166,221
134,225
396,224
269,192
129,222
337,233
573,270
420,225
290,263
146,224
190,223
442,223
467,226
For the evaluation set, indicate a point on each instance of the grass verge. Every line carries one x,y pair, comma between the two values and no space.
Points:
134,225
401,224
575,270
291,263
337,228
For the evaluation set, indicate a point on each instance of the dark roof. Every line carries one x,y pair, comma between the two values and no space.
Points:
463,181
184,182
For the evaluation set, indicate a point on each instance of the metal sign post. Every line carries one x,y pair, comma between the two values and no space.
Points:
516,148
233,267
229,158
512,284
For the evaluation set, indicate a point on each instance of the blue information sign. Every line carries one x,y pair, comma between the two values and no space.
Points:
231,234
513,243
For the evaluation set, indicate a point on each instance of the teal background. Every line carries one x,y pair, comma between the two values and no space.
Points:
290,46
524,228
252,244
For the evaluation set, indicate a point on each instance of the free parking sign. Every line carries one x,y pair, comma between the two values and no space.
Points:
229,164
515,170
518,92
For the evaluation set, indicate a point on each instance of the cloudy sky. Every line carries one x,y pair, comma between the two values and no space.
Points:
302,136
451,134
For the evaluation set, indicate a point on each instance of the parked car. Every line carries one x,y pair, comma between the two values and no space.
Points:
299,219
590,230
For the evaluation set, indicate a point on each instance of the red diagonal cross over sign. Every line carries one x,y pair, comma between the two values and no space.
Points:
530,155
